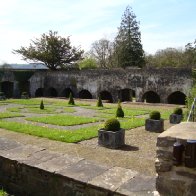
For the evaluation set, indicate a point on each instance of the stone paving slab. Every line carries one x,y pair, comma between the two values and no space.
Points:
21,153
59,163
139,185
113,178
40,157
5,144
83,171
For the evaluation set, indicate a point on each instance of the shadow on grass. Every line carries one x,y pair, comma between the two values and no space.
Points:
128,148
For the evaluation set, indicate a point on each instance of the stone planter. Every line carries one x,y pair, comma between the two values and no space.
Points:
175,118
154,125
24,97
111,139
2,97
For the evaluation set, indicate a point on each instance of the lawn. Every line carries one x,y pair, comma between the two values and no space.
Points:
63,120
134,117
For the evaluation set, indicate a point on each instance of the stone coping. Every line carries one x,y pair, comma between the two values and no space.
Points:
26,167
184,131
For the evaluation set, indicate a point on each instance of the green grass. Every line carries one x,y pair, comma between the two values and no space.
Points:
9,115
132,123
3,193
53,134
128,112
63,120
26,101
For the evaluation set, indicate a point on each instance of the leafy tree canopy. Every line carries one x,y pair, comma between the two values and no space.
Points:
53,50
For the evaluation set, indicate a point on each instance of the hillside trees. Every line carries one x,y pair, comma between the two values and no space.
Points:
53,50
128,49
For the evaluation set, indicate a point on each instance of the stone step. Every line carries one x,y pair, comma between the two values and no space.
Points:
32,170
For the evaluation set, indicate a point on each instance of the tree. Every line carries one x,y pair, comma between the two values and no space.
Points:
128,49
87,63
190,53
53,50
101,51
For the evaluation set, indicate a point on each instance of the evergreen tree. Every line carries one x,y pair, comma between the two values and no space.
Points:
99,102
71,99
128,49
119,111
41,105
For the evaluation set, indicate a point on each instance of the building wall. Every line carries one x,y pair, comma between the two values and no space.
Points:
163,81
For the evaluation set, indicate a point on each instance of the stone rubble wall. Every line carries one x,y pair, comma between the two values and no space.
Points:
175,180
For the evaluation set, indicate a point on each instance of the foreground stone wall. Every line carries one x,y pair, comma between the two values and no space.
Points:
175,180
161,81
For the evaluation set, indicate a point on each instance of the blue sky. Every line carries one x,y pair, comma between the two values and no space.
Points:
163,23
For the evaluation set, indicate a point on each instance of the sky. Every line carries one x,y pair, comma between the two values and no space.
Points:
163,23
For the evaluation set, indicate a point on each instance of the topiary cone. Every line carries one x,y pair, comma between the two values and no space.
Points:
99,102
42,105
71,99
119,111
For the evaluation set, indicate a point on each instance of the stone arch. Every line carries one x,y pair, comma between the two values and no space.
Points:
125,94
176,97
106,95
66,92
39,92
151,97
7,88
85,94
51,92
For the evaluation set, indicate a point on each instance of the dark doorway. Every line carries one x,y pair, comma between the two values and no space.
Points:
177,98
105,95
39,92
66,92
51,92
7,88
85,94
125,95
151,97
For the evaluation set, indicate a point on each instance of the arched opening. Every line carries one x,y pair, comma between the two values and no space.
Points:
7,88
51,92
125,94
105,95
66,92
151,97
177,98
39,92
85,94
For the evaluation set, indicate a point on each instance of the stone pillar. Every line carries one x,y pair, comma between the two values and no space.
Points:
16,90
175,180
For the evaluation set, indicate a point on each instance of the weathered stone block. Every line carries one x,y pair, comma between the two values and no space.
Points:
154,125
111,139
163,166
175,118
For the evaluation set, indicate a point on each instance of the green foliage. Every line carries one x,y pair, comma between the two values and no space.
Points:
190,97
87,63
119,111
41,105
155,115
99,102
52,50
112,125
71,99
178,111
128,49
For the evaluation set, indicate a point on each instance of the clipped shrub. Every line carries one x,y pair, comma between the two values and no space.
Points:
24,94
42,105
119,111
112,125
99,102
178,111
71,99
155,115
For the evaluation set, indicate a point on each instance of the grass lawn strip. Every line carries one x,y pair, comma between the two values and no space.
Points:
53,134
63,120
9,115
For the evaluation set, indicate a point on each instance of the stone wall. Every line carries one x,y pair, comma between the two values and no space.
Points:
175,179
163,82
